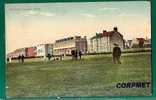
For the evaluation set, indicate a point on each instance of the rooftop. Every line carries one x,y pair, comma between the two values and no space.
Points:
107,33
69,38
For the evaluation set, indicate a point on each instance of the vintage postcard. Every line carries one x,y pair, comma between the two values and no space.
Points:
78,49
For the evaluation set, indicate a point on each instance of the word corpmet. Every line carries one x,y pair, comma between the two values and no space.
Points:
133,85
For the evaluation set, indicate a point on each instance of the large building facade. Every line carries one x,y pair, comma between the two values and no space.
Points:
104,42
31,51
40,50
17,52
66,45
44,49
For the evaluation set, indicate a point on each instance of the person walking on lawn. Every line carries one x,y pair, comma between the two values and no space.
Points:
116,54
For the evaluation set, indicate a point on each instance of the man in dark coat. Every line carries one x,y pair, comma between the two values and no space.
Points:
49,56
116,54
22,57
76,54
73,54
80,54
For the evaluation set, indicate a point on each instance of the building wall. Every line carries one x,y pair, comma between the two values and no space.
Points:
129,43
11,55
66,45
135,42
20,51
93,45
41,50
106,43
147,43
44,49
50,49
81,44
101,44
17,52
31,52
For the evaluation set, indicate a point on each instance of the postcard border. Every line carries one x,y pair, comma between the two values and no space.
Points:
2,51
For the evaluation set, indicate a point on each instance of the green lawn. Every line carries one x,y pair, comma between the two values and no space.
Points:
94,75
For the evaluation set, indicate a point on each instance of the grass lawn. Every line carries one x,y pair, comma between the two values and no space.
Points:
94,75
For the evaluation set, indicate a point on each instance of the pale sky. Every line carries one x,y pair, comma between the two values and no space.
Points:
32,24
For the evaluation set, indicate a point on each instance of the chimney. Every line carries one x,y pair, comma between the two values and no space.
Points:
115,29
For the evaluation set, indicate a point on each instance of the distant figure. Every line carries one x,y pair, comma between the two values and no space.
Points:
49,56
19,58
76,54
7,59
73,54
80,53
10,59
22,57
116,54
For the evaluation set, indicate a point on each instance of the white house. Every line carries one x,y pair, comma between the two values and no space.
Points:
103,42
44,49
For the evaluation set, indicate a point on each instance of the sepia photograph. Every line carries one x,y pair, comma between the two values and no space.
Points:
78,49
